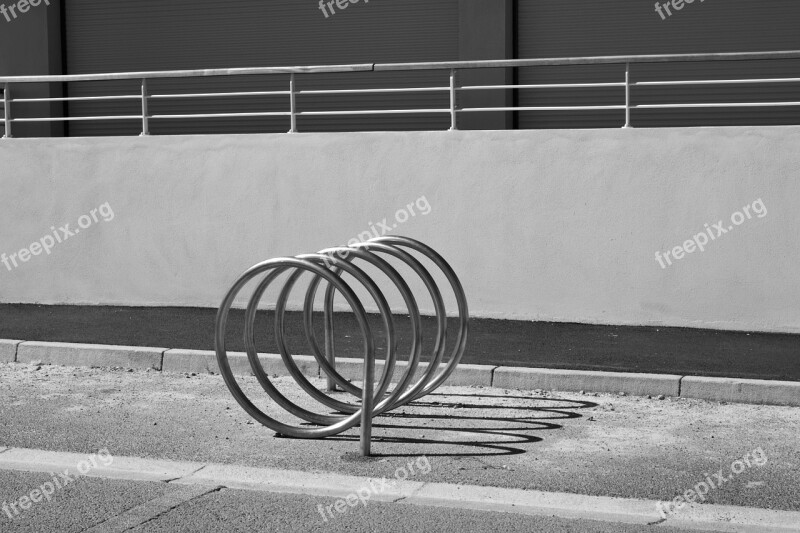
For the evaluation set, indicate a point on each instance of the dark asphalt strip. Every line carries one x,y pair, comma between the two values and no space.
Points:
645,349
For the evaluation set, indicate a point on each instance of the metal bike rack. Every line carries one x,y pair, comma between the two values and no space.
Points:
328,265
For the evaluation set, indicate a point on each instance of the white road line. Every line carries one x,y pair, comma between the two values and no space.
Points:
208,477
128,468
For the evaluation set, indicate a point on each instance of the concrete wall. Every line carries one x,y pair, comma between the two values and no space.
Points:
544,225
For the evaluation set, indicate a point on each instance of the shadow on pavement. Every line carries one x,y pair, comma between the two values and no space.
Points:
522,433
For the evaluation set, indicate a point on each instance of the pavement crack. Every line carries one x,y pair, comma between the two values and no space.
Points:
657,522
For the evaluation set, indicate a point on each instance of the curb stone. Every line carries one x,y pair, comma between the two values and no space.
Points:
185,361
741,390
462,376
61,353
8,350
582,380
201,361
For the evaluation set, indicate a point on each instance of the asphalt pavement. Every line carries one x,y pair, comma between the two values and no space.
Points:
591,445
107,505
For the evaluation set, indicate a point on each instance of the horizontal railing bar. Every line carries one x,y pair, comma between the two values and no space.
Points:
541,86
223,115
448,65
720,82
374,112
212,95
79,98
547,108
743,104
358,91
67,119
590,60
200,73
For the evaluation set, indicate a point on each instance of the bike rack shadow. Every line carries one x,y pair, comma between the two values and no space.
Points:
530,423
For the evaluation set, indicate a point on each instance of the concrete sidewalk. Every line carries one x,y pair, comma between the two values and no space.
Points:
594,445
170,360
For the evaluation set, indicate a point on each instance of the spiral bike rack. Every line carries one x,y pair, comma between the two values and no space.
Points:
329,265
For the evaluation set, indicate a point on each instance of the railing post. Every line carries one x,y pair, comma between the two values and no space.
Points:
7,110
292,104
145,113
627,95
453,124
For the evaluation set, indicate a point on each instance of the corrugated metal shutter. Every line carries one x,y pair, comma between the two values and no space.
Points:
569,28
123,35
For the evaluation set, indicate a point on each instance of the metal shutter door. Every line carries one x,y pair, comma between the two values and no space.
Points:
563,28
127,35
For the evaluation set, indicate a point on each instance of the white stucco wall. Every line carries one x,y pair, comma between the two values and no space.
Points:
544,225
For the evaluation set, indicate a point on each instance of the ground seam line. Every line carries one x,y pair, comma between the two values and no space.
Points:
184,478
210,491
127,520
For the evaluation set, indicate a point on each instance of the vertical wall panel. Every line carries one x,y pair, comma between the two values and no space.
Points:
563,28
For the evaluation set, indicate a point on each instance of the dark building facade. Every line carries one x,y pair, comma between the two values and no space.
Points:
95,36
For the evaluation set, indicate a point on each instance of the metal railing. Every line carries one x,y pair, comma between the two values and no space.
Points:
452,89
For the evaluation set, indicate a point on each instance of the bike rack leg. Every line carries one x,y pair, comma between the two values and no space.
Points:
367,406
329,353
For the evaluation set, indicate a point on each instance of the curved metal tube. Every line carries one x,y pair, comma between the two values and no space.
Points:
329,266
